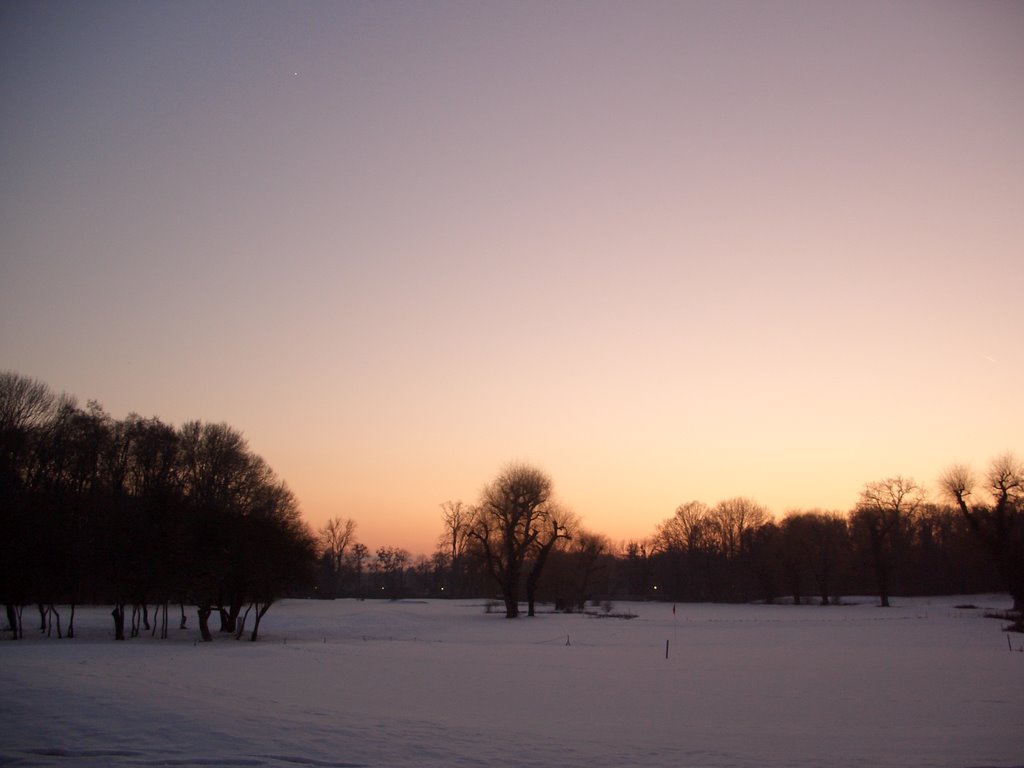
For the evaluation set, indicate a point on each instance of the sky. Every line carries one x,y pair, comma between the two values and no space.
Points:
663,251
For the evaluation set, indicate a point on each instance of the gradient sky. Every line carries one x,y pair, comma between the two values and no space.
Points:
665,251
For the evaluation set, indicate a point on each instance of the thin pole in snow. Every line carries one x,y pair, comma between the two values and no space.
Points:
666,649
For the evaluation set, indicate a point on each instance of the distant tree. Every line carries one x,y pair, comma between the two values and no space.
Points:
687,542
428,575
454,541
881,521
997,517
686,529
358,555
391,564
814,550
636,559
336,536
794,554
766,555
514,512
584,566
735,523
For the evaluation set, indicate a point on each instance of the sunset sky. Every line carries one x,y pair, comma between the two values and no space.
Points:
664,251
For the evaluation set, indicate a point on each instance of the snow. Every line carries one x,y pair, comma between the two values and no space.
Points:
442,683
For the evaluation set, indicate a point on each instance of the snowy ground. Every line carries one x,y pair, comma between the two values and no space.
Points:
381,684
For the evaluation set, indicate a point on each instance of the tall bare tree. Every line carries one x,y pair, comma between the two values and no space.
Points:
457,518
686,530
688,541
514,512
996,517
881,520
336,536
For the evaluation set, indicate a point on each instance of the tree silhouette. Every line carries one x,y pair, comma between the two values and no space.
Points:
997,519
514,509
882,519
336,536
454,541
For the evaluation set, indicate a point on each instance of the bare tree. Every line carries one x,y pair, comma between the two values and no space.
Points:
733,522
336,536
685,530
812,548
514,511
997,519
357,558
884,513
455,539
391,563
688,541
27,406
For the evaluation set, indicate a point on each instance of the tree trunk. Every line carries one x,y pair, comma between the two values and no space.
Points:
51,612
118,614
71,623
533,577
511,604
261,611
204,612
229,616
883,586
241,623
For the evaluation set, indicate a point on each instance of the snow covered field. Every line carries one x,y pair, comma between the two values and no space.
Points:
350,683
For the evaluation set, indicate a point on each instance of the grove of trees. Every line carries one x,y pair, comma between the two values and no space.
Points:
136,513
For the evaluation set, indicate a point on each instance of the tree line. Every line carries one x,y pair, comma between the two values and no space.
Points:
136,513
517,544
